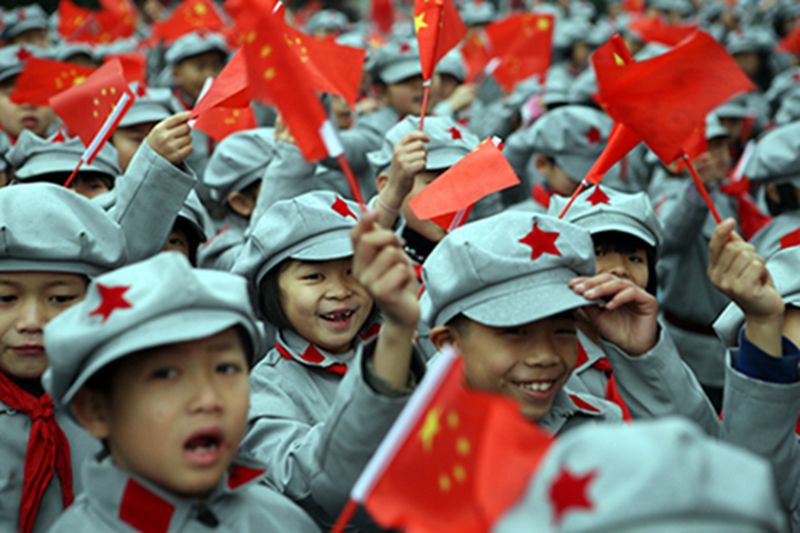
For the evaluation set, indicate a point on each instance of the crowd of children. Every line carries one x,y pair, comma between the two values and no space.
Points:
201,334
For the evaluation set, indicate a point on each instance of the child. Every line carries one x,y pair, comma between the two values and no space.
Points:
160,349
505,292
626,234
147,110
26,25
53,240
323,398
16,117
762,399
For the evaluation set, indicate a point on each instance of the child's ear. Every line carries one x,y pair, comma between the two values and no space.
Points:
442,336
381,180
241,204
543,165
772,194
91,409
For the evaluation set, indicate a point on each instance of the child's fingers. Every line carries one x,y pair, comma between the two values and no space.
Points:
719,239
584,284
392,283
364,224
628,295
729,254
415,136
176,119
383,261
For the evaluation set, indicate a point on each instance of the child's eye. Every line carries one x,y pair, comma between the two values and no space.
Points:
314,276
62,299
567,331
636,259
8,298
229,368
518,331
164,373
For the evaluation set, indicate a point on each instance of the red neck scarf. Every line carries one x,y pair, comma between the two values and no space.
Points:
47,452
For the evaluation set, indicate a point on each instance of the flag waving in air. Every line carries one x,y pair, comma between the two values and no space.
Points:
439,29
522,45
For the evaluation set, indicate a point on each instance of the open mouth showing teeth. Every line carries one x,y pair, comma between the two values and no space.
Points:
208,442
338,316
536,386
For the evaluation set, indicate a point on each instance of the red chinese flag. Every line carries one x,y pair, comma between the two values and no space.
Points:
382,14
465,457
189,16
71,18
84,108
791,43
480,173
231,89
620,142
633,6
439,29
524,45
279,76
665,98
652,29
476,55
333,68
42,78
220,122
134,66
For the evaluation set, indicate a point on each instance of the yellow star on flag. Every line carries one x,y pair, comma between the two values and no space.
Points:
430,428
543,24
619,61
419,22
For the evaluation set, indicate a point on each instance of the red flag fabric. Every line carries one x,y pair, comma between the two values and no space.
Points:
134,66
483,171
524,45
791,43
633,6
189,16
220,122
382,15
439,29
465,457
42,78
84,108
279,76
652,29
475,52
687,82
620,142
231,89
71,18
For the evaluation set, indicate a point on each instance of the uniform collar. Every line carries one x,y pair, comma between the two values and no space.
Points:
590,355
292,346
567,405
145,507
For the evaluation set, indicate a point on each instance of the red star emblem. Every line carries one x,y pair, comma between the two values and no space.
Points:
790,239
22,15
405,48
23,53
141,90
568,492
341,207
58,138
541,242
111,299
593,136
455,133
598,197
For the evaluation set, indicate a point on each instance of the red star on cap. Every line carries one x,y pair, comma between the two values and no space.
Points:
598,197
23,53
341,207
141,90
455,133
404,48
58,138
568,492
111,299
22,15
593,135
541,242
790,239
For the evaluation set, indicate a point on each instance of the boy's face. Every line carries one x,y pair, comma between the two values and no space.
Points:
192,397
323,302
426,228
28,300
529,363
14,118
191,73
178,241
128,140
630,264
405,96
89,186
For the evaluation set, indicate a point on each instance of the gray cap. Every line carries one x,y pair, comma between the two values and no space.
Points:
151,106
600,209
714,128
505,270
48,228
395,62
569,31
18,21
238,161
449,142
314,226
452,64
556,87
11,61
193,212
776,157
751,39
160,301
736,107
573,135
789,110
328,20
194,44
782,267
684,7
477,12
33,156
784,82
606,477
67,51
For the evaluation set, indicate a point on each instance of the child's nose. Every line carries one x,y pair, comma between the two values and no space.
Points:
32,317
207,397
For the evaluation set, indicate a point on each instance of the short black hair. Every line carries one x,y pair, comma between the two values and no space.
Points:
787,200
625,243
269,298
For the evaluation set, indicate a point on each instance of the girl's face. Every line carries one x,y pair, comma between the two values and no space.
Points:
623,262
323,302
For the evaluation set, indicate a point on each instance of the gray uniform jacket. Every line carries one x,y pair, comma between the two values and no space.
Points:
220,251
761,417
115,501
572,409
313,427
146,200
768,239
14,432
686,291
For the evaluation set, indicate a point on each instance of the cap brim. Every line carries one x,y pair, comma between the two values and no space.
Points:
444,158
188,325
402,70
606,221
144,114
575,166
